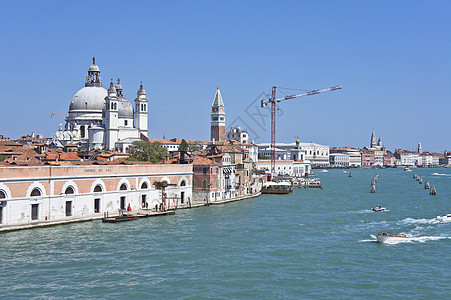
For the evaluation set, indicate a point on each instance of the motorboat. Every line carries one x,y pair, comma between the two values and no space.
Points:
407,169
277,188
444,218
378,208
324,171
435,173
387,237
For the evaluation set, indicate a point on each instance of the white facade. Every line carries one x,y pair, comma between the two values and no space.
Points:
99,119
339,160
237,134
317,155
287,167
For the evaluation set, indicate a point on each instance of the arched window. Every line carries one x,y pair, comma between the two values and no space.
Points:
2,195
82,131
123,187
204,184
183,183
69,190
144,186
35,193
98,189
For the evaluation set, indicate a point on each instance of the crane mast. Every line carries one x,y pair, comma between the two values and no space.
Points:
273,100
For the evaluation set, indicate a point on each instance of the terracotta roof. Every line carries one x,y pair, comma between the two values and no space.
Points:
70,145
198,160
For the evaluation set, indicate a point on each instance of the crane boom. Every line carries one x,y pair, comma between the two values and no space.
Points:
273,100
309,93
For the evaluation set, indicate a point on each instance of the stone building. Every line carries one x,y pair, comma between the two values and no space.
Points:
103,119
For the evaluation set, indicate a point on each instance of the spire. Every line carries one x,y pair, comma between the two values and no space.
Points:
119,88
218,98
93,60
373,140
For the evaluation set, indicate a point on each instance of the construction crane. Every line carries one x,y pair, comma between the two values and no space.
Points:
57,114
273,100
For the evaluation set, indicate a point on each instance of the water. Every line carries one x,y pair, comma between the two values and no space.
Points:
310,244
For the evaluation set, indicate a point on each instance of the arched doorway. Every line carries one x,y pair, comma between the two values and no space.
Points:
35,207
144,204
69,191
97,189
123,187
2,204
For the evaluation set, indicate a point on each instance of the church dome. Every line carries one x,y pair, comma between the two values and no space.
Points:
125,109
94,68
90,98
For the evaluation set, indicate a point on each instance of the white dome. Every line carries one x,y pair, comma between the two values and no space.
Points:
125,109
90,98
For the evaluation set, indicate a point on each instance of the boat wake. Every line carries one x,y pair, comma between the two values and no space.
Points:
409,239
410,221
441,174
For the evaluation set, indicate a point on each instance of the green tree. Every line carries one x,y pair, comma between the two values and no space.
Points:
184,146
193,147
154,152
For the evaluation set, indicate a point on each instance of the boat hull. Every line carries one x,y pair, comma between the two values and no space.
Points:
273,191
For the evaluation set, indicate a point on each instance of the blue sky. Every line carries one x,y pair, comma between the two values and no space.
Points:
392,58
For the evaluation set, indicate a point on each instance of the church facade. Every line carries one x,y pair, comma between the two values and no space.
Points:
103,119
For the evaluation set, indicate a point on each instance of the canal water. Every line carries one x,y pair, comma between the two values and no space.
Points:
312,243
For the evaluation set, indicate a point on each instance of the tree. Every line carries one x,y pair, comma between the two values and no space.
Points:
154,152
184,146
193,147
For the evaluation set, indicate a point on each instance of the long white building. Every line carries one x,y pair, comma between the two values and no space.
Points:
317,155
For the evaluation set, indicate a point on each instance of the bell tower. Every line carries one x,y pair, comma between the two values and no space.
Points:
111,118
141,111
217,132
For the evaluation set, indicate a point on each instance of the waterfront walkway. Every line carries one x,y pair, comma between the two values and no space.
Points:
139,213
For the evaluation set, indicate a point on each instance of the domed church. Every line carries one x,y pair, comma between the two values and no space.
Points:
103,119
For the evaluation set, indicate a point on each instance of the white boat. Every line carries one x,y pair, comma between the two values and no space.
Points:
444,218
324,171
387,237
378,208
435,173
407,169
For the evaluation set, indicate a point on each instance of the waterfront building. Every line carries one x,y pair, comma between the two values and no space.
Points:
317,155
367,157
355,158
38,194
101,119
378,157
406,157
389,160
286,167
339,160
445,160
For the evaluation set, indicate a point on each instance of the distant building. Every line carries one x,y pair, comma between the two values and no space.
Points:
315,154
237,134
355,158
287,167
406,157
339,160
